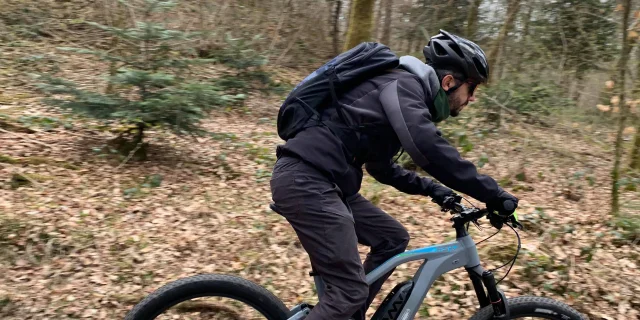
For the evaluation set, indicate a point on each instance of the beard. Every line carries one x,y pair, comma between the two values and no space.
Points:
455,106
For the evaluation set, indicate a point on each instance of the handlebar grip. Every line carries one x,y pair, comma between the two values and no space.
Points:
509,205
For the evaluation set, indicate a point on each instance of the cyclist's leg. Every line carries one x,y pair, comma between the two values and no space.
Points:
378,230
325,227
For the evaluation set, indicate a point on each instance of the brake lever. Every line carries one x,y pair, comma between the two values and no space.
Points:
514,223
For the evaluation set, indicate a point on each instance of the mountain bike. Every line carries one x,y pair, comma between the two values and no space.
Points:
402,302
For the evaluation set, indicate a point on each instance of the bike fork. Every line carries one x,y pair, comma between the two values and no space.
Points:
482,279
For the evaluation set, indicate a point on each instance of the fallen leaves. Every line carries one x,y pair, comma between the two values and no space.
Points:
81,247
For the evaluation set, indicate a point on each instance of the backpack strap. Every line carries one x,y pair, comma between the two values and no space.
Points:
331,73
391,105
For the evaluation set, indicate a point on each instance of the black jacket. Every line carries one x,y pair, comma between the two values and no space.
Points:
397,110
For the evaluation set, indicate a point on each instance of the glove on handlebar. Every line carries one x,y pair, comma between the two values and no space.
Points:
439,193
498,221
504,204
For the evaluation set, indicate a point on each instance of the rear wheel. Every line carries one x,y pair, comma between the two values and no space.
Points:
210,296
533,308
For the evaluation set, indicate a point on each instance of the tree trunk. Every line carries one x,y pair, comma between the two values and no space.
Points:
420,43
579,85
622,63
512,12
503,67
635,154
436,14
636,89
472,18
386,31
412,38
117,20
360,22
377,17
336,27
524,52
113,70
409,42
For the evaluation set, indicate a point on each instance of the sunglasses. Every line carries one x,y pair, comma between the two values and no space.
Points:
472,86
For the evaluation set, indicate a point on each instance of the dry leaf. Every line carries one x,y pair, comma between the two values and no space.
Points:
609,84
615,100
629,130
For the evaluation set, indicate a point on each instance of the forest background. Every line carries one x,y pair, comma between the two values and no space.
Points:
137,139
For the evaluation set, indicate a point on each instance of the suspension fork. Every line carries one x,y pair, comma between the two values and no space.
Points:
493,296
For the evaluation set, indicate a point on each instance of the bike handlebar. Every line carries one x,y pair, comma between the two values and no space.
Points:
463,214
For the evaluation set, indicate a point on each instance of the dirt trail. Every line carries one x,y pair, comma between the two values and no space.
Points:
88,239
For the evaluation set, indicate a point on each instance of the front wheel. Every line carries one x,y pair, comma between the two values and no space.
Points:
534,307
199,297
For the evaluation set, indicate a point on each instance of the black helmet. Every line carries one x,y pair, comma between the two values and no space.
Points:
448,50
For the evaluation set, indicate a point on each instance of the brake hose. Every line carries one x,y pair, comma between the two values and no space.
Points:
514,257
513,260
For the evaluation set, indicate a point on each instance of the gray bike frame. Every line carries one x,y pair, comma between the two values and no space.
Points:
438,259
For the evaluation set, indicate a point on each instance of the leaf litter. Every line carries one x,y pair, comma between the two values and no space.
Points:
92,238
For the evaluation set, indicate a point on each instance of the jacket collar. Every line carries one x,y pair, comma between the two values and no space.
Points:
427,75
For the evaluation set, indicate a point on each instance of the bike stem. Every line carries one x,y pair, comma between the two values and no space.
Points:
461,231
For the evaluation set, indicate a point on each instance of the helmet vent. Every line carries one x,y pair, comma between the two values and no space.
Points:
457,49
480,67
439,49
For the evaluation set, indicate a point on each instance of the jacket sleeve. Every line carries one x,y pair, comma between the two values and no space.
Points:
392,174
404,104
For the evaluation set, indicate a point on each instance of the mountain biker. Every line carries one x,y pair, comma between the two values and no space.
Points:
316,179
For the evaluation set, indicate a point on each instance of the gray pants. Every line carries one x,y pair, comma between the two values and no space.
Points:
330,227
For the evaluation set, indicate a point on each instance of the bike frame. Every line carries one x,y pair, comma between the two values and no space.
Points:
438,259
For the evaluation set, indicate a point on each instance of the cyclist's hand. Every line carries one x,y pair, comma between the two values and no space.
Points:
497,221
504,204
501,210
439,192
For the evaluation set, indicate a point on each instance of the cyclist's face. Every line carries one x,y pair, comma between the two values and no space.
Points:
461,97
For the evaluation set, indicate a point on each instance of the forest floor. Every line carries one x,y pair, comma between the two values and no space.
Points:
84,234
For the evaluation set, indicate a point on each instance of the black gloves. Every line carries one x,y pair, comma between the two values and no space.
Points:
504,203
501,207
501,210
438,192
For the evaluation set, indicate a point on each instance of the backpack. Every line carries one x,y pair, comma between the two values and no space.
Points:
303,106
